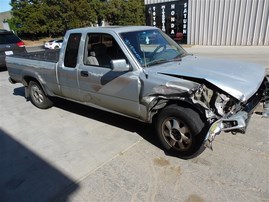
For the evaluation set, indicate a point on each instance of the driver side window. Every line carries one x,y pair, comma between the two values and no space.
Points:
101,49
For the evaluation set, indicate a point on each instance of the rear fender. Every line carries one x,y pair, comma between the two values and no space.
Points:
34,76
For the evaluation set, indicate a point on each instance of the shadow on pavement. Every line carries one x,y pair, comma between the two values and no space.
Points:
25,176
146,131
3,69
19,91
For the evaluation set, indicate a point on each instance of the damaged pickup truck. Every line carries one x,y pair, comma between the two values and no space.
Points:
141,73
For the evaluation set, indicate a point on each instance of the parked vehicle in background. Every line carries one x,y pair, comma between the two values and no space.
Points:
54,44
9,44
142,73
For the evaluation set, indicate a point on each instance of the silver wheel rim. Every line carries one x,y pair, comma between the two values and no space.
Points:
177,134
37,94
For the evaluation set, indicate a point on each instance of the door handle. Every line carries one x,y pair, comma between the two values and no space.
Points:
84,73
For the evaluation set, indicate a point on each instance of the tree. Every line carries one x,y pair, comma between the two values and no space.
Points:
134,13
54,17
125,12
85,12
28,16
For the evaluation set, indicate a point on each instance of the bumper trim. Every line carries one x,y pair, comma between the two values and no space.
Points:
236,123
265,113
266,100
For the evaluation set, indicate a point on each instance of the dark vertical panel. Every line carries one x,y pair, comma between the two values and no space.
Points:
170,16
227,22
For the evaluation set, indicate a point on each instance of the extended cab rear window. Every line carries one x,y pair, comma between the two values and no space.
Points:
71,52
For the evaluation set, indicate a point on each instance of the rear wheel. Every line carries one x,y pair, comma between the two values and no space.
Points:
180,131
38,97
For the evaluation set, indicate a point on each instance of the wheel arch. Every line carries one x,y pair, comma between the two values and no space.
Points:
27,79
182,103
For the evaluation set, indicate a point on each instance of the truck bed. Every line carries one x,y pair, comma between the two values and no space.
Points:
39,63
47,55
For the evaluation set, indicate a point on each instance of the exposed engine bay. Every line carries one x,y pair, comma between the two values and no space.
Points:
225,113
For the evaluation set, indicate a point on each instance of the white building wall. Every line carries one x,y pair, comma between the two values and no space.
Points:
228,22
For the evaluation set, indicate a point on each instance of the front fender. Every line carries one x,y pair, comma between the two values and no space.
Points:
158,102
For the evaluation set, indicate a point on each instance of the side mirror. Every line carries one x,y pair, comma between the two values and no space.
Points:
120,65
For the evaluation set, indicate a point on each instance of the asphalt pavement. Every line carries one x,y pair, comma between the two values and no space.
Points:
71,152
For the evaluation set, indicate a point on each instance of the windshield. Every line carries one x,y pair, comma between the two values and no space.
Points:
151,47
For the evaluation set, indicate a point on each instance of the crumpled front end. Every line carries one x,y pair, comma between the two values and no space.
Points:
221,111
266,100
237,120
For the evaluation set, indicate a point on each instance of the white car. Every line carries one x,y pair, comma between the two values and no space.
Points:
54,44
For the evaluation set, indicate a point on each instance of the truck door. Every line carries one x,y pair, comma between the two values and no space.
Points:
99,84
67,70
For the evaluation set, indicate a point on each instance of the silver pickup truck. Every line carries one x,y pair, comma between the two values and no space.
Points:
140,72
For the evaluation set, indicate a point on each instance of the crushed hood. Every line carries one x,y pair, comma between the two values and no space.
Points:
239,79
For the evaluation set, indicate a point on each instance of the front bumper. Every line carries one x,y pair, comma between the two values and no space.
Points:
266,100
239,121
235,123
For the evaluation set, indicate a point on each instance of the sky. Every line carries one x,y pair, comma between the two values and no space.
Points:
4,5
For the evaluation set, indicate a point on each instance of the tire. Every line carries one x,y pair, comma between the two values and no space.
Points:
38,97
180,131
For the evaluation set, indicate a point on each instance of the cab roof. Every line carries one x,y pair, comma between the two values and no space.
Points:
116,29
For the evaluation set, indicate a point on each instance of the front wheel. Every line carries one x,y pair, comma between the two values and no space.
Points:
180,131
38,97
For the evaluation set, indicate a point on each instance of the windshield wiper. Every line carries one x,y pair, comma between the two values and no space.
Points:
155,62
